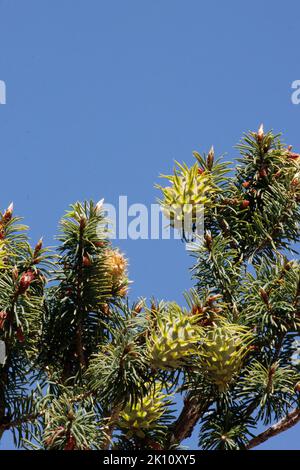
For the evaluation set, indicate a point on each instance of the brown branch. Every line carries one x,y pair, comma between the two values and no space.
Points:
112,421
283,425
183,427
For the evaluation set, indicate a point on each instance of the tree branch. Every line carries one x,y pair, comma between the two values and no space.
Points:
289,421
183,427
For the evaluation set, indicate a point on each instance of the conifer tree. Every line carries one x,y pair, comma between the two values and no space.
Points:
83,368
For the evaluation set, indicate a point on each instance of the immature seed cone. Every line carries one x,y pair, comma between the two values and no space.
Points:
173,339
145,414
222,353
189,189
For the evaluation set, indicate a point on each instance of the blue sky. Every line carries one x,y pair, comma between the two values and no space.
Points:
102,96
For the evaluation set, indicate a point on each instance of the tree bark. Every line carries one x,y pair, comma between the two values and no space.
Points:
286,423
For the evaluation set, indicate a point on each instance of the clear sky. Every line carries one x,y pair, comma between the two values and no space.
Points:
103,95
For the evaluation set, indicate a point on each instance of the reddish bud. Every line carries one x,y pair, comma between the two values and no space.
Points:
20,335
295,182
245,204
3,316
69,291
263,173
200,171
8,213
71,443
25,281
246,184
293,156
99,244
86,260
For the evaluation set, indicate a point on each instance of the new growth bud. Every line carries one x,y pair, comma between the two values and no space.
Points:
260,133
8,213
25,281
210,158
99,206
38,247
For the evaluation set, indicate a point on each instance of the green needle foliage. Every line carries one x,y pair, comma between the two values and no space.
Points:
85,369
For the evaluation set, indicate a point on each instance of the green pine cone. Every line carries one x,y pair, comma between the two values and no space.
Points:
222,353
146,413
173,340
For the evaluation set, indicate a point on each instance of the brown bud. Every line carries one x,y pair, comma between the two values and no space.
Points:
82,222
208,239
264,295
105,309
263,173
260,133
20,335
295,182
297,387
38,247
196,310
15,273
86,260
273,369
8,213
139,306
210,158
213,298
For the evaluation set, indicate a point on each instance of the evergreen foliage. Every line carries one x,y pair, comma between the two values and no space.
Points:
85,369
